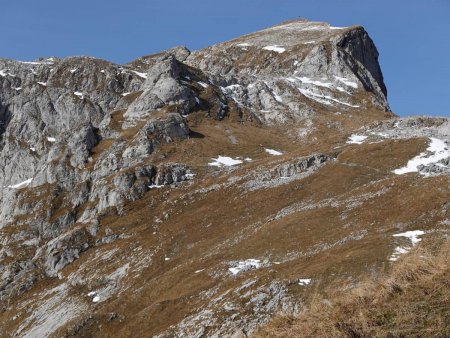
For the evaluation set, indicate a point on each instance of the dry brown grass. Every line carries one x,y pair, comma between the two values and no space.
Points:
411,301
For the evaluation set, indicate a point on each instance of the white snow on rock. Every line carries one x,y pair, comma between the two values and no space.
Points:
307,80
277,98
204,85
335,28
356,139
51,139
155,186
342,90
315,27
275,49
243,44
224,161
273,152
347,82
95,297
79,94
125,94
142,75
324,99
43,83
232,87
30,63
21,184
73,70
413,236
304,281
246,265
3,73
436,151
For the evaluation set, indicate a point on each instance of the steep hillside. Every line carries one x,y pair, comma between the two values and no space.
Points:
199,194
410,301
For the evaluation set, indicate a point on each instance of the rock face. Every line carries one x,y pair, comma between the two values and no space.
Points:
109,202
277,72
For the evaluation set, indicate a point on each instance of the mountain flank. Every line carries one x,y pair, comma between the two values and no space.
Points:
201,194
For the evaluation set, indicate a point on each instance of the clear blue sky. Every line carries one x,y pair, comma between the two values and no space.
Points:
412,36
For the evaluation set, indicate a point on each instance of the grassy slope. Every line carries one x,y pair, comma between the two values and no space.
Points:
413,300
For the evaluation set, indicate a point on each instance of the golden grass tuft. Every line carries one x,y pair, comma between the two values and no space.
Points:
412,301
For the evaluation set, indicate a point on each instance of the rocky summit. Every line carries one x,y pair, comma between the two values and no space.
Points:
193,194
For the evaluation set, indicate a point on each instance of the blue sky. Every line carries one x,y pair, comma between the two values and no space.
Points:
412,36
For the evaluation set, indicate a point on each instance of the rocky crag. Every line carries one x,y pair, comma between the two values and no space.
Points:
198,194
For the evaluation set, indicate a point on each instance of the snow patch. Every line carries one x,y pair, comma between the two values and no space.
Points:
224,161
347,82
356,139
324,99
43,83
79,94
246,265
51,139
95,297
35,63
436,151
335,28
204,85
21,184
413,236
273,152
307,80
304,281
275,49
142,75
277,98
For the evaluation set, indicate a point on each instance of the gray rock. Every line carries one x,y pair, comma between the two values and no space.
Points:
63,250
